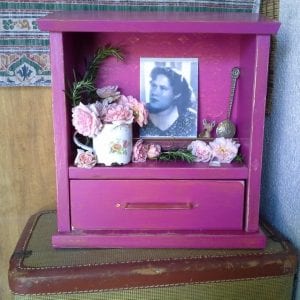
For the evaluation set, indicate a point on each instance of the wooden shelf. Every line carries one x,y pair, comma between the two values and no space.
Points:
167,239
222,199
133,21
162,170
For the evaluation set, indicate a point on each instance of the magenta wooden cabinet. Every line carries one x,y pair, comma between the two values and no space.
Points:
163,204
179,204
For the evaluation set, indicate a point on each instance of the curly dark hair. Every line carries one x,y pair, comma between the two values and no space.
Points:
179,84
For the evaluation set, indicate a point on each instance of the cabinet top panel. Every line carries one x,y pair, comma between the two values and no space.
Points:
136,21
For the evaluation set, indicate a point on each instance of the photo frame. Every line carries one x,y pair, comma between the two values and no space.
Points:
169,88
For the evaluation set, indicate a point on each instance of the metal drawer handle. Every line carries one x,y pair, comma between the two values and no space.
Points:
155,205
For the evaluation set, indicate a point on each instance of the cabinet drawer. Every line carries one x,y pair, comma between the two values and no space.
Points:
156,204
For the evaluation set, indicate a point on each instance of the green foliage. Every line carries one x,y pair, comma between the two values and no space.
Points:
239,158
184,155
85,87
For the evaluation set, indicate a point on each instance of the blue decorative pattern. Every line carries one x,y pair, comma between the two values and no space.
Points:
24,50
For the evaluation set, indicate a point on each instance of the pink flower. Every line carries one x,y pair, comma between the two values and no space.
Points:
109,93
86,120
139,111
85,159
127,101
225,150
139,152
99,108
201,150
154,151
140,114
118,113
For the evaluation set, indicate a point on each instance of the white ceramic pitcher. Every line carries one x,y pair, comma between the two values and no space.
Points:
113,145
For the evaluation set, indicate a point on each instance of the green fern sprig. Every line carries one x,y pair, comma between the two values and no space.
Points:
184,155
100,55
78,89
85,88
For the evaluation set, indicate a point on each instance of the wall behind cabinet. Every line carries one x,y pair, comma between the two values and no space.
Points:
281,168
27,178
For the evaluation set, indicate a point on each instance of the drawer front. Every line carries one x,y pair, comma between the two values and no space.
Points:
156,204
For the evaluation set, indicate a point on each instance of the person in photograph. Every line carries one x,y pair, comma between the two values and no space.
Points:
170,105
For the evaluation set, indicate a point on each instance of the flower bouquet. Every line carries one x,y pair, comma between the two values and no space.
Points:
108,121
105,116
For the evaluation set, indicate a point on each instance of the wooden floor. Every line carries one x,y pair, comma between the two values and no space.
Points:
27,182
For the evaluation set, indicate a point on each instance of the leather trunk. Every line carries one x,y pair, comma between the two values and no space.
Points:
37,271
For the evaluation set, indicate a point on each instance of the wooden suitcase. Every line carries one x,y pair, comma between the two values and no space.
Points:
37,271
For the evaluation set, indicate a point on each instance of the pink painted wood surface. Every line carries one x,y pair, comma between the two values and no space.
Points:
152,204
246,82
220,42
167,239
217,55
61,137
244,104
257,133
162,170
133,21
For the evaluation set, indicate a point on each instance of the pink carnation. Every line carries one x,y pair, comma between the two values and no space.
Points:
201,150
86,120
154,151
85,159
116,113
139,152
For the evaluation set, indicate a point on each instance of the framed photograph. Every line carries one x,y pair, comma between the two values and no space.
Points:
169,88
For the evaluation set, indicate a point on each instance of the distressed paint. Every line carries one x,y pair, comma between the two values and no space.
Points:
132,21
220,41
162,170
169,239
147,204
61,138
257,133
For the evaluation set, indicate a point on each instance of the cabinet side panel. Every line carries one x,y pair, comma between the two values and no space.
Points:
60,131
246,90
257,132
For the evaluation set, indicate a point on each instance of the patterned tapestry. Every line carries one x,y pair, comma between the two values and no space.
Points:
24,49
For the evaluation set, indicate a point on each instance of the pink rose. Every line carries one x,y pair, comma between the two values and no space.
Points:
85,159
118,112
139,152
99,108
127,101
140,114
139,111
225,150
154,151
86,120
201,150
109,93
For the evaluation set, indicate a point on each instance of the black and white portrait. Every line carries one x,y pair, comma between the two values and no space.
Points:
169,87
